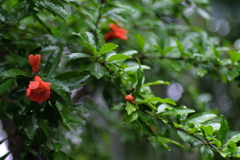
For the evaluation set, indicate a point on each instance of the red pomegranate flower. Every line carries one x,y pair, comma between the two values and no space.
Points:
116,33
38,90
34,61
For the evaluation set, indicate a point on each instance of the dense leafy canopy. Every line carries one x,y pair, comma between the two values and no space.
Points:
86,113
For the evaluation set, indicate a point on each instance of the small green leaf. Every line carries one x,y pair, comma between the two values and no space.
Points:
157,99
200,118
130,118
107,48
155,83
129,52
140,41
97,70
118,106
164,141
20,11
234,56
130,108
116,57
5,84
223,129
180,47
52,63
77,56
233,146
168,49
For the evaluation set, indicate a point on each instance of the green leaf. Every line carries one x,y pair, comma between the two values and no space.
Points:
60,156
13,73
200,118
5,84
97,70
77,56
157,99
52,63
20,11
208,130
140,41
178,111
186,137
130,118
129,52
30,126
233,147
168,49
116,57
107,48
207,152
235,138
155,83
164,141
223,129
53,6
180,47
60,88
18,93
89,41
118,106
101,40
130,108
50,115
73,79
234,56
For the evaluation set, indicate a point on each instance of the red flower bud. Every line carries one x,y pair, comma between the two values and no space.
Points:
34,61
116,33
38,90
129,98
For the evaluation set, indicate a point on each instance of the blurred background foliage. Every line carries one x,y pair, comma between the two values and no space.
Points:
193,44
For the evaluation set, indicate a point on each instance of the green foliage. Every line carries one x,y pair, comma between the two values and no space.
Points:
86,113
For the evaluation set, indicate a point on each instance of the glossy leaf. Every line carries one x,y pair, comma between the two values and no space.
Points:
223,129
178,111
52,63
201,118
53,6
13,73
130,118
207,152
130,108
234,56
73,79
30,126
107,47
60,88
129,52
101,40
97,70
77,56
117,57
160,100
156,83
5,84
